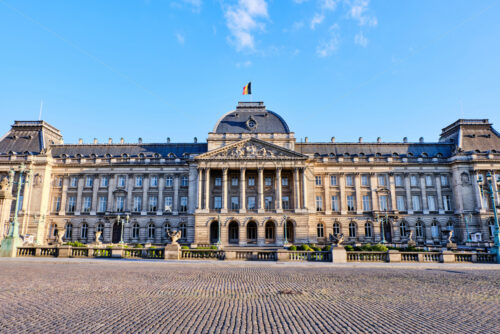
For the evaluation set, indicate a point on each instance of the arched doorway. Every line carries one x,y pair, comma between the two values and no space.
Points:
214,232
233,233
270,233
387,231
251,233
290,237
117,232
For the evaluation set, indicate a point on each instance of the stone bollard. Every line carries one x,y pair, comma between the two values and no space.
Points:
64,251
172,252
229,255
420,257
474,257
447,257
393,256
117,253
282,255
38,251
339,255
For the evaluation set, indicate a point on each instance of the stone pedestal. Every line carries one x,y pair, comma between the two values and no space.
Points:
393,256
229,255
173,252
64,251
282,255
447,257
117,252
451,245
9,246
339,255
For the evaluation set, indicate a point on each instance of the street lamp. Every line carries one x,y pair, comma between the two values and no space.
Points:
285,223
468,219
382,227
219,243
491,192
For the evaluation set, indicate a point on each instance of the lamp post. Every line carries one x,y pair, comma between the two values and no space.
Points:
382,227
491,192
285,223
468,219
219,243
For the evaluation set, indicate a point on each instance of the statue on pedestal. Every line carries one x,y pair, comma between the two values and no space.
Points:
450,244
174,236
337,239
411,242
60,236
98,238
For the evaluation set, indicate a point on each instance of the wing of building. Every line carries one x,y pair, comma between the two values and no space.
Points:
252,183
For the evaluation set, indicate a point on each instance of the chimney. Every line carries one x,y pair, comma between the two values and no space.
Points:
110,140
140,140
95,140
332,139
168,140
80,141
195,140
379,140
121,140
306,140
405,139
360,139
421,140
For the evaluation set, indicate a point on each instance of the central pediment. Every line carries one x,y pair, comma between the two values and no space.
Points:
250,149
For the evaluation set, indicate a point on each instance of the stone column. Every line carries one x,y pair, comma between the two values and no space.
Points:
278,190
200,188
439,194
296,189
191,190
423,190
26,193
243,194
175,211
359,199
304,190
111,188
161,187
79,195
261,207
64,196
342,194
145,189
392,187
495,188
130,190
477,192
409,206
95,189
224,190
373,190
207,189
457,190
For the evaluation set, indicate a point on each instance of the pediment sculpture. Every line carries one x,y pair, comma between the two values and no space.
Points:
4,184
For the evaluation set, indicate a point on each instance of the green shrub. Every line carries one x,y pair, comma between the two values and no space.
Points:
152,247
138,246
348,248
75,244
293,248
304,247
213,247
379,248
184,247
327,248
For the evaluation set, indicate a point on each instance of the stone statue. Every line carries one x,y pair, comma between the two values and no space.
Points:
411,242
98,238
450,244
174,236
4,184
337,239
60,235
450,234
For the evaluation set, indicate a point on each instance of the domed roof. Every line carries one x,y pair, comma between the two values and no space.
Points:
251,117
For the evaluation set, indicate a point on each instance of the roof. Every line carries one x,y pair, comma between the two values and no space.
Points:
29,137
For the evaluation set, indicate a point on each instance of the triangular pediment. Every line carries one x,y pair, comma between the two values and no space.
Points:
252,148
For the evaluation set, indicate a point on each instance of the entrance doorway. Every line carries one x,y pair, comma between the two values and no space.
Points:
252,233
214,232
289,232
117,232
387,231
233,233
270,233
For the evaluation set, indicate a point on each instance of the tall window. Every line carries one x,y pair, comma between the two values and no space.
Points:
168,203
218,182
447,202
381,180
491,228
103,203
137,204
89,181
135,231
449,226
414,181
69,231
318,180
120,203
364,180
431,202
183,229
121,181
153,181
285,203
352,230
269,231
59,181
138,181
401,203
184,204
104,181
403,229
333,180
217,202
419,229
336,228
169,181
319,203
235,203
435,230
349,180
284,181
57,204
320,231
166,229
234,181
351,203
251,203
366,203
87,203
268,181
73,181
335,203
268,200
368,230
151,231
71,204
251,181
153,203
444,181
84,231
184,181
415,199
428,180
383,202
398,180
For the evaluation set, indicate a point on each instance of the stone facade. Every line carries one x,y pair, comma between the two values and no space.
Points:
256,179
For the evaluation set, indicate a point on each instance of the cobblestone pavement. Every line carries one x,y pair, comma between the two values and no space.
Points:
64,296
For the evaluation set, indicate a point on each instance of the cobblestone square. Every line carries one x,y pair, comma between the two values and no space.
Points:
92,296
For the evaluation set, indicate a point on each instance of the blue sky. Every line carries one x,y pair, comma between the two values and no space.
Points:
157,69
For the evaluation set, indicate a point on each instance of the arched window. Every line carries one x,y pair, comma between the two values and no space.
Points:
166,229
183,229
320,230
491,228
53,231
419,229
151,231
449,226
352,230
435,229
84,231
368,230
135,231
403,229
336,228
69,231
100,227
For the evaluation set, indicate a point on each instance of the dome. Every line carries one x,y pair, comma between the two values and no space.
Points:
251,117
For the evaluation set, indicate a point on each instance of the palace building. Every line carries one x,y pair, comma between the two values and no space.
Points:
253,184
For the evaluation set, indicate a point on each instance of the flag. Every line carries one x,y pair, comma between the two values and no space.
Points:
247,89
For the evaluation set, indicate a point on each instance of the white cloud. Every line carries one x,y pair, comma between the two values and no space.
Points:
330,46
328,4
358,11
360,39
180,38
316,20
242,21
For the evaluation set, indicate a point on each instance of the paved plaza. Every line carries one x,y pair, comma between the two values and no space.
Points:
107,296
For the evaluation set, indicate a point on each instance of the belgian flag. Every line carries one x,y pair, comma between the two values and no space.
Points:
247,89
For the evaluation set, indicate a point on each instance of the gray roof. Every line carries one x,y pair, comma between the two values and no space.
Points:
29,137
267,121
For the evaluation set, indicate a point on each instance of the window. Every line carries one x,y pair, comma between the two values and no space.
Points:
268,181
368,230
87,202
59,181
486,201
335,203
333,180
435,230
284,182
57,204
447,202
74,181
69,231
401,203
449,226
431,202
428,180
319,203
349,181
89,181
419,230
269,231
366,203
168,203
104,181
491,228
383,202
169,181
138,181
364,180
251,203
414,181
399,180
251,181
151,231
268,200
403,229
234,181
137,204
120,203
235,203
381,180
415,200
84,231
103,204
350,203
184,181
183,229
320,231
100,228
121,181
352,230
135,231
218,182
217,202
184,204
318,180
153,203
166,229
285,203
444,181
336,228
153,181
71,204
